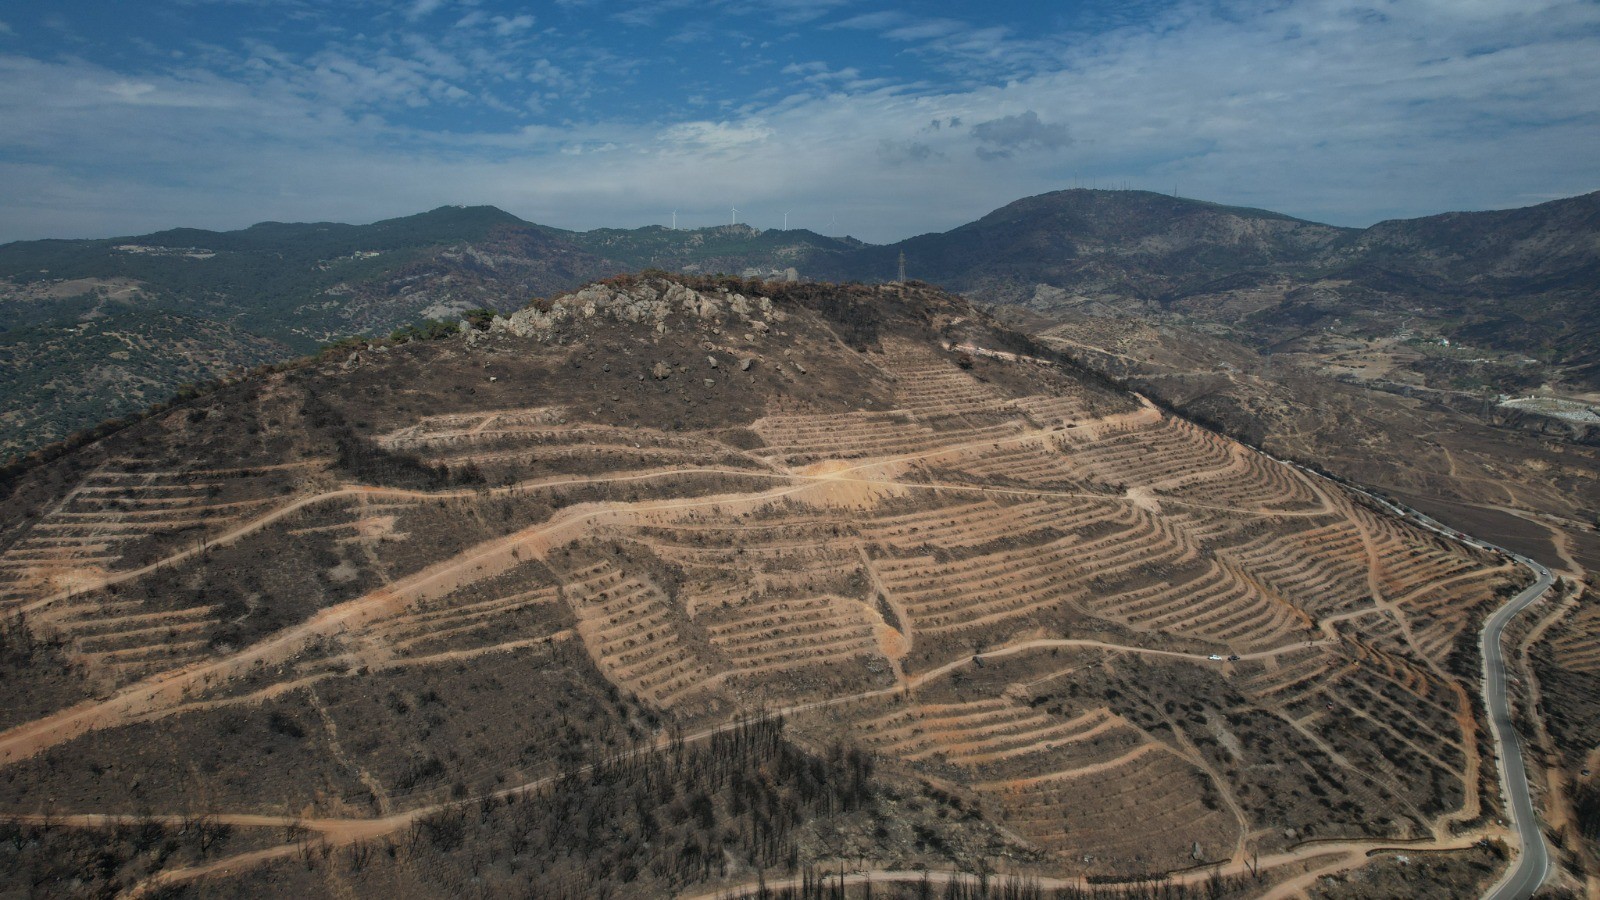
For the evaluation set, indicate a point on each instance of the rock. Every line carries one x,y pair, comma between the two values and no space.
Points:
746,363
713,361
711,382
661,371
799,368
646,302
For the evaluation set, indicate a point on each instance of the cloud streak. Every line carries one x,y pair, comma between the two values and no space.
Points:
1317,108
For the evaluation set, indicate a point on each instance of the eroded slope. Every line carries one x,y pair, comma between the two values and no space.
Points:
358,613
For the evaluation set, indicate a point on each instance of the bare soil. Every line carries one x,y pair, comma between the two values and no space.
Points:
483,607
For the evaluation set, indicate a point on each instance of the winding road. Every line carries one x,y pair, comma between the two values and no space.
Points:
1532,864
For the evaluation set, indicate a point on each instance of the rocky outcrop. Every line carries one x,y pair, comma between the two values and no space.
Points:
649,301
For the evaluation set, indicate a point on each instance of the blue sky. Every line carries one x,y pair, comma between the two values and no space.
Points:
875,119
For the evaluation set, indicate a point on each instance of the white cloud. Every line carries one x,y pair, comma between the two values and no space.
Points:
130,91
714,137
787,12
875,21
421,9
506,26
1314,107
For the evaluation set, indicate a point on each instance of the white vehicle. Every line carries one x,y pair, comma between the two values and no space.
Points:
1216,656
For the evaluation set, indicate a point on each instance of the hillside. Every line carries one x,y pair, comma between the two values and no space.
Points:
732,249
273,290
1526,482
1516,291
56,379
676,586
306,284
1134,245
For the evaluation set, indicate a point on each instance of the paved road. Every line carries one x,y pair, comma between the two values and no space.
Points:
1532,865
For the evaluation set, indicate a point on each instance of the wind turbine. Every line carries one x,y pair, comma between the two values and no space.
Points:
674,220
786,220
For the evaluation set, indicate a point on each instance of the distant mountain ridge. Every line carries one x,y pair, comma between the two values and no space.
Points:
1133,242
729,249
274,290
274,278
305,284
1525,281
1517,280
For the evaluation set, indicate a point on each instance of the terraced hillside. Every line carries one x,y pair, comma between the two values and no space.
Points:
1565,664
670,586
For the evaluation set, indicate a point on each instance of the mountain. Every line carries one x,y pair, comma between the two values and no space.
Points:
694,586
1523,284
306,284
1131,244
1526,280
733,249
1470,305
273,290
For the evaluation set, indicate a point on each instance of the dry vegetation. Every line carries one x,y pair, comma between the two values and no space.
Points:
640,601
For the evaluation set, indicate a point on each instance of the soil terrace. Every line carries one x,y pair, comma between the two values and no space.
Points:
1136,647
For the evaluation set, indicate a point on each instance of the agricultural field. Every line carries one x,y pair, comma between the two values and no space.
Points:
674,586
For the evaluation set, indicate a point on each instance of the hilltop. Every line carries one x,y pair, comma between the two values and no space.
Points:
675,585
